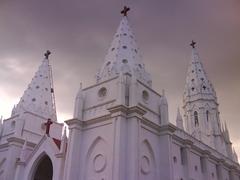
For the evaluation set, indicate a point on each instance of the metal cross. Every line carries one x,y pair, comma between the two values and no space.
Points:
125,10
48,125
47,54
193,44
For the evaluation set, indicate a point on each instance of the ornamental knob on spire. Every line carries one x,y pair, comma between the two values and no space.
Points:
125,10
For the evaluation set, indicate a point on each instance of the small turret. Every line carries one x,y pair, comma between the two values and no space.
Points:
79,101
13,110
227,133
179,120
164,109
64,141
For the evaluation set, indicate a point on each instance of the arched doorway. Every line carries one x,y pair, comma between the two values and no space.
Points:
44,169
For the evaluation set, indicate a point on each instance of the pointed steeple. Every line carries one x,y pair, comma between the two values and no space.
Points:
200,103
124,55
197,82
38,98
179,120
164,109
64,141
226,133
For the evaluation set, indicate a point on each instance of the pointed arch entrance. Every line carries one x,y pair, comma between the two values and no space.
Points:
43,169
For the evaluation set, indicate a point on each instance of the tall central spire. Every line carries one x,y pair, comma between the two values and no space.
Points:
123,55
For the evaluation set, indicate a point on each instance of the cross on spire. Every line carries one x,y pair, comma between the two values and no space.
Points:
193,44
47,54
125,10
48,125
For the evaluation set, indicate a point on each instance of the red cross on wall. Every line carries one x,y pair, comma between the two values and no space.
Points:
48,126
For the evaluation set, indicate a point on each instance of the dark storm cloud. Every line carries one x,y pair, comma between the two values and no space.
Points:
80,32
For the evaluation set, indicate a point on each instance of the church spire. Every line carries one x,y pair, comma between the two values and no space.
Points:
201,107
38,98
197,82
123,55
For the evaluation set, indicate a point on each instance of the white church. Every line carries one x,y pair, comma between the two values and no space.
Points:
120,128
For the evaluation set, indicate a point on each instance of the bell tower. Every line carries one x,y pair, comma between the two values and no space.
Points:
201,106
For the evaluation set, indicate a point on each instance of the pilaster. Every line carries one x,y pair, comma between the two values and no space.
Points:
165,139
72,164
15,145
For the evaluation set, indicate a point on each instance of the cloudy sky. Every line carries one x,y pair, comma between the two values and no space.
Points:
79,33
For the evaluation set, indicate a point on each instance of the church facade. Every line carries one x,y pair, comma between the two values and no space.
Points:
120,128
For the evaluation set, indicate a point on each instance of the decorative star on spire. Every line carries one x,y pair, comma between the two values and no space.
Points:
47,54
125,10
193,44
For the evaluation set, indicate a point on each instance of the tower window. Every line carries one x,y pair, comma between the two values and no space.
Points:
196,118
124,47
183,155
207,114
204,87
125,61
193,88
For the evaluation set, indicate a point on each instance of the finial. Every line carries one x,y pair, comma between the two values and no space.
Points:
125,10
47,54
193,44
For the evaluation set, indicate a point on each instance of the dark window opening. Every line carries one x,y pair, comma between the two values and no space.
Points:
207,113
196,118
44,170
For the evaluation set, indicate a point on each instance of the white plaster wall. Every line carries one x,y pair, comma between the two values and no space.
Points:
96,152
149,154
177,164
195,169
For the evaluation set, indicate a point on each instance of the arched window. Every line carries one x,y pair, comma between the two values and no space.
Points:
207,114
196,118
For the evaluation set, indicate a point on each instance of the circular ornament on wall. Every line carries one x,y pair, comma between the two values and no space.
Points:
99,163
145,165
